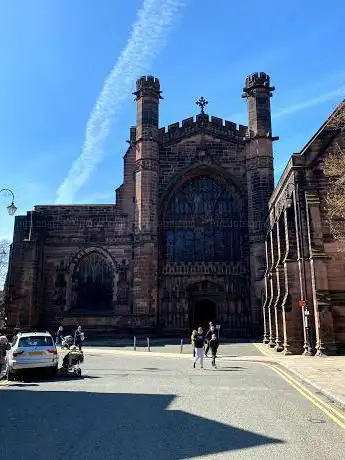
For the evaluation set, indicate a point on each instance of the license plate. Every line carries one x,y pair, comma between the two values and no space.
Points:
35,353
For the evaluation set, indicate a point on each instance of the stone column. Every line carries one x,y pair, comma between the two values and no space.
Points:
301,258
324,328
265,302
278,277
292,317
270,308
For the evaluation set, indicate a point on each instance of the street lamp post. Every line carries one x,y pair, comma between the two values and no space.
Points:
11,208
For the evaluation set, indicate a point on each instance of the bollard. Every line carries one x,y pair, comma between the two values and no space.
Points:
135,343
148,344
181,346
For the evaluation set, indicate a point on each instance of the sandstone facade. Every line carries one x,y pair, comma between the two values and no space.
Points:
183,244
304,306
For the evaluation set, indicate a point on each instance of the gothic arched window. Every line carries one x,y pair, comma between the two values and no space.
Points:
202,223
93,277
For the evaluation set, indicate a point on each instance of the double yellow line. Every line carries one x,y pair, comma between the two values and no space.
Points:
335,415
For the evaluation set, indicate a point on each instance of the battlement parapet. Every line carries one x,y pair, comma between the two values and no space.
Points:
212,125
148,82
257,80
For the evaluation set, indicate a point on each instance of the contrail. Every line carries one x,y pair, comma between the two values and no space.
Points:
309,103
149,33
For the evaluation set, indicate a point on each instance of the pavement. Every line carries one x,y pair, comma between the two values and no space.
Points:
154,405
326,374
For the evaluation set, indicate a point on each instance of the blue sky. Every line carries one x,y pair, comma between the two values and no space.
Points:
57,54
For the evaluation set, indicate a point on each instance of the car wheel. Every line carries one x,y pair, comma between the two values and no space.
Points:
54,371
9,373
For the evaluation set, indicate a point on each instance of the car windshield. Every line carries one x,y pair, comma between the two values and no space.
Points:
36,341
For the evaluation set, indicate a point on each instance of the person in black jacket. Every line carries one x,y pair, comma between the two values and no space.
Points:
208,337
59,335
214,344
78,337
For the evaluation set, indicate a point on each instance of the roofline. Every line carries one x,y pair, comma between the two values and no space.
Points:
290,166
319,131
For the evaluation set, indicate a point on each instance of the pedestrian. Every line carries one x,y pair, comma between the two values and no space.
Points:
4,347
208,336
15,337
199,342
59,335
78,337
214,344
192,339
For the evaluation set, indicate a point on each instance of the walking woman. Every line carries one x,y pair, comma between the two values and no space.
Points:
199,342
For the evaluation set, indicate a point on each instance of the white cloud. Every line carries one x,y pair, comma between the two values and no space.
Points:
339,92
149,33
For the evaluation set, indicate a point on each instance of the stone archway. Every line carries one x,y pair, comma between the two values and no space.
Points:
205,301
92,283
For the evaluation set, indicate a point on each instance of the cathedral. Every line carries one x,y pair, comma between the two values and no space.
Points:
183,243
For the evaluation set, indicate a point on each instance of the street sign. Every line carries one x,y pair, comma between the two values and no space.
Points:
302,303
218,326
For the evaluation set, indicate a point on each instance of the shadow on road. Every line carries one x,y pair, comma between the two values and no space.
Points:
106,425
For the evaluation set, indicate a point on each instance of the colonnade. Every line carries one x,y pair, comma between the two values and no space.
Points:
296,312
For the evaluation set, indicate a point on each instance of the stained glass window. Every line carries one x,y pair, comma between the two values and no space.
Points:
201,223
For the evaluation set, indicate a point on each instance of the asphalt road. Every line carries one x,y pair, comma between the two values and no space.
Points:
158,407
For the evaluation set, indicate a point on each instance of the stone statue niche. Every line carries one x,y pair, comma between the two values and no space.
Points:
60,285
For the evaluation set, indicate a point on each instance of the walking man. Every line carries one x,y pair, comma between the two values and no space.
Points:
59,335
199,343
214,344
208,336
78,337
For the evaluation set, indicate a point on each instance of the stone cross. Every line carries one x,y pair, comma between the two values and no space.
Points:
201,102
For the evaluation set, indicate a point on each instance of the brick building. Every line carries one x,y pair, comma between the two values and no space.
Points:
182,245
304,305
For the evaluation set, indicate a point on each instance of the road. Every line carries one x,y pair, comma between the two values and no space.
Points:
156,406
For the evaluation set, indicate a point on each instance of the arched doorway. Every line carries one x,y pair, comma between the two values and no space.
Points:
203,311
93,284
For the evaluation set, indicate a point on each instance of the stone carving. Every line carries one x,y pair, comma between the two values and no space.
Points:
204,268
149,164
60,284
123,284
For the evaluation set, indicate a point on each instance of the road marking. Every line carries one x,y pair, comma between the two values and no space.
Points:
330,411
261,349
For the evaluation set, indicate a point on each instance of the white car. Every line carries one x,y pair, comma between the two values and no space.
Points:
32,350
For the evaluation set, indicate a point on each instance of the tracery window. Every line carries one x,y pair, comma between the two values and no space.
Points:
201,223
94,278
